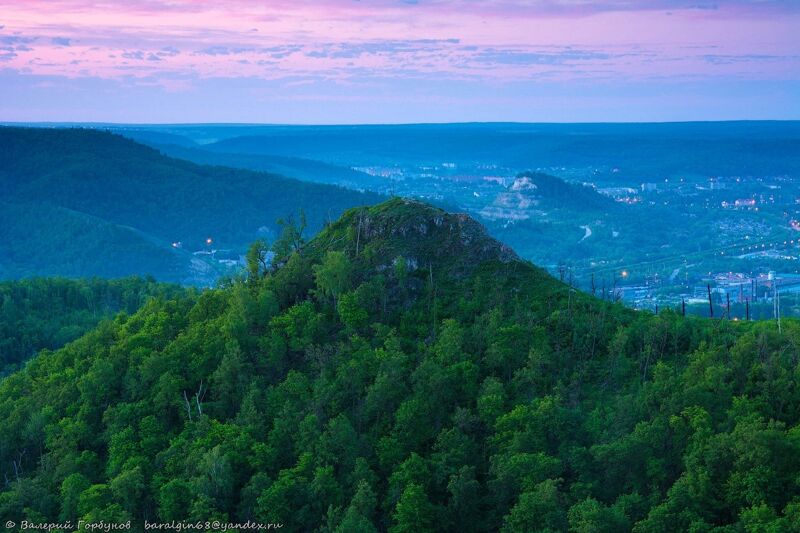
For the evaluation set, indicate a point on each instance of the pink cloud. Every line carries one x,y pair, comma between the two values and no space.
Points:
348,41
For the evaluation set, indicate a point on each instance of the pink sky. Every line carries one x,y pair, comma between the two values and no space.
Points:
510,54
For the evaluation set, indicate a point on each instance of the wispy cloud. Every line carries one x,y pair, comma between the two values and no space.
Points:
177,44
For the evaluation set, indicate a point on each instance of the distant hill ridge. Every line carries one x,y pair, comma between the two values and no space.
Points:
123,184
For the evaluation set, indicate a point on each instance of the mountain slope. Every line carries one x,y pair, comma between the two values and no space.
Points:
42,239
123,184
47,313
404,372
299,168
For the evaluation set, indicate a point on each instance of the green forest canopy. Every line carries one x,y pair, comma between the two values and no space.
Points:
47,313
404,372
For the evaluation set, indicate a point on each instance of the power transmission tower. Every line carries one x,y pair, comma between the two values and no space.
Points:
710,305
778,304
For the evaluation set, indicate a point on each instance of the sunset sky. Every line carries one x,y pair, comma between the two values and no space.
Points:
368,61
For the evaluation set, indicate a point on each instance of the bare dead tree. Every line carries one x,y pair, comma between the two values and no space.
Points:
17,464
188,406
433,300
198,398
358,231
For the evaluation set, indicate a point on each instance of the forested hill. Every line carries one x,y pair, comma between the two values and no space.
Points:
404,372
47,313
300,168
82,202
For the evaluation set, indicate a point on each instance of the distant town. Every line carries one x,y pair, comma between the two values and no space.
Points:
750,228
